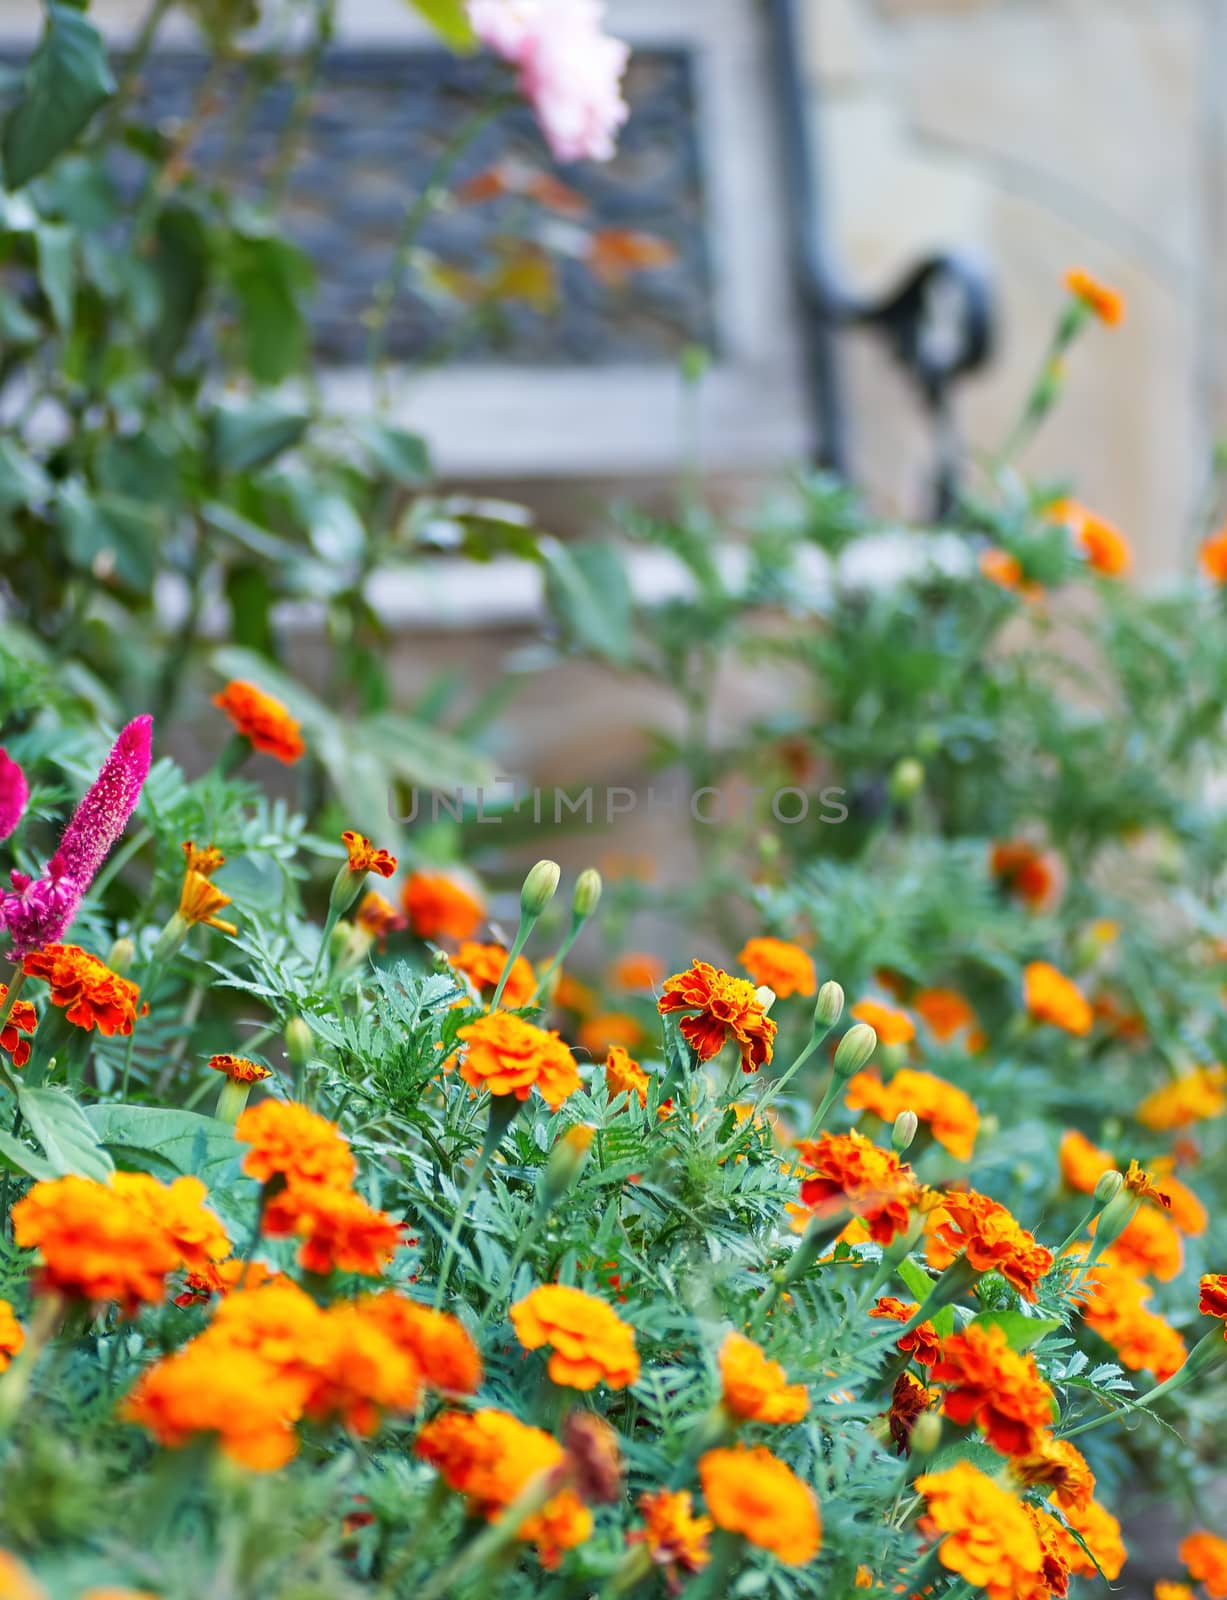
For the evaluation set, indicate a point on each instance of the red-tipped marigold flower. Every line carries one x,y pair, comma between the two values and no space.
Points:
988,1235
364,857
1213,1299
39,912
378,917
1028,873
588,1342
1106,303
847,1173
781,965
441,906
754,1389
12,1338
1060,1467
239,1069
262,720
89,993
482,965
14,794
339,1230
753,1493
1051,997
909,1400
719,1007
922,1344
995,1388
948,1112
509,1056
291,1142
21,1019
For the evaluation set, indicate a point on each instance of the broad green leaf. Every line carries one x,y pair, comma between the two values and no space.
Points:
174,1142
251,433
448,18
18,1157
66,81
17,326
21,478
1020,1330
180,264
69,1141
588,592
269,278
405,457
121,534
57,270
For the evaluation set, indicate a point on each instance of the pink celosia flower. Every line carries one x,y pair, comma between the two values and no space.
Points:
14,792
40,911
569,70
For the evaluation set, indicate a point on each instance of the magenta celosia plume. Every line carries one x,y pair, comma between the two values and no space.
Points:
39,911
14,792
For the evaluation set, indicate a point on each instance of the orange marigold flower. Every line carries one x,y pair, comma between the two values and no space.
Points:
279,1323
1001,568
1190,1098
1150,1246
94,1243
204,859
262,720
1107,304
1205,1556
21,1019
379,917
482,965
178,1209
507,1055
1166,1590
1051,997
753,1493
1183,1206
1100,1533
1103,545
783,966
947,1014
12,1337
338,1229
636,972
438,1343
239,1069
922,1344
719,1007
755,1389
588,1342
1213,1299
364,857
847,1173
360,1372
1060,1467
1114,1301
994,1387
18,1582
1213,556
440,906
599,1034
291,1142
90,994
987,1536
489,1456
675,1538
222,1278
624,1076
991,1239
949,1113
909,1401
214,1388
1028,873
891,1024
1082,1163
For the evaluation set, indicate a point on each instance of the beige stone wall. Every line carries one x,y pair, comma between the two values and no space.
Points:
1043,134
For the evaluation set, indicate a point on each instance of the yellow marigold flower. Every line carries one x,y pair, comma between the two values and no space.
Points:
489,1456
1205,1556
202,859
439,1344
88,992
442,906
988,1235
179,1210
239,1069
753,1493
200,901
891,1023
291,1142
754,1389
1106,303
987,1537
949,1113
17,1582
12,1336
94,1243
995,1388
719,1007
636,972
675,1538
262,720
364,857
482,965
589,1342
1190,1098
1166,1590
1051,997
339,1230
781,965
509,1056
211,1387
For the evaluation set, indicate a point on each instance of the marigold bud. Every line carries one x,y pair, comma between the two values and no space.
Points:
904,1131
855,1049
830,1005
1109,1186
298,1041
926,1434
539,888
567,1160
765,997
122,955
587,893
907,780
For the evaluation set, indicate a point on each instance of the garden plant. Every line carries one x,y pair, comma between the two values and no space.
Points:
379,1219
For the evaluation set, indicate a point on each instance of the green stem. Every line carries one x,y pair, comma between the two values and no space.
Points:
527,924
776,1089
502,1109
15,986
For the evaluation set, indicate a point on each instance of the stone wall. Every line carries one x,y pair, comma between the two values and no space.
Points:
1043,134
